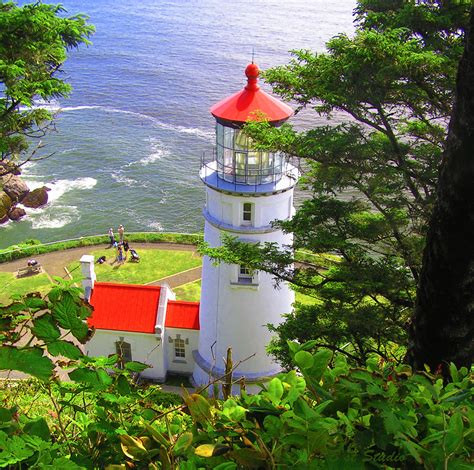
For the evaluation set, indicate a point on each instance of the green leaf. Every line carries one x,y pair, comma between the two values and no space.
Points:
183,443
275,389
233,411
39,428
123,387
44,328
205,450
28,360
248,458
97,379
134,366
33,302
304,360
66,313
226,466
132,447
321,362
199,407
454,436
64,348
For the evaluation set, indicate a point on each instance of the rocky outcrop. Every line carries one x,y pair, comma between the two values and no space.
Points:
15,187
5,205
36,198
16,213
9,168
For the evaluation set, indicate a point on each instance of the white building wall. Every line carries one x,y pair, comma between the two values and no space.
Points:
232,314
181,365
227,208
146,348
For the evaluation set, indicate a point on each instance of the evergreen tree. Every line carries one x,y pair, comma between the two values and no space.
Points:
371,178
443,325
34,40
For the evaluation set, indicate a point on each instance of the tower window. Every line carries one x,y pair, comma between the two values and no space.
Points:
179,348
247,213
245,275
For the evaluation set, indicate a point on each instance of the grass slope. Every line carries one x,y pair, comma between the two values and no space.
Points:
11,285
153,265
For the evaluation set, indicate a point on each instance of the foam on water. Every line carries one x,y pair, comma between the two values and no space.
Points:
119,177
156,226
57,218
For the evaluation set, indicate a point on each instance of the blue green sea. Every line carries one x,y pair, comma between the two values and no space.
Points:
128,141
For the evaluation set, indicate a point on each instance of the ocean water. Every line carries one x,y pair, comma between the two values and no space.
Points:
128,140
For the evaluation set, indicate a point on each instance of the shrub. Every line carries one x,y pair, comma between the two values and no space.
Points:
30,248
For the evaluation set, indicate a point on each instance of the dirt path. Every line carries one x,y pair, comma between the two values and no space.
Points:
181,278
53,263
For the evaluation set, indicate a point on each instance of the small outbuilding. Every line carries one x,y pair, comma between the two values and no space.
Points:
141,323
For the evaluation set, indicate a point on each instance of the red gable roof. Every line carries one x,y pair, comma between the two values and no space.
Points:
249,102
124,307
181,314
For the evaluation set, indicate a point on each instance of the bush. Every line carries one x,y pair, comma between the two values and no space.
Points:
30,248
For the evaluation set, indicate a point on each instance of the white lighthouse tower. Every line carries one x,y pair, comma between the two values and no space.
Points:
246,190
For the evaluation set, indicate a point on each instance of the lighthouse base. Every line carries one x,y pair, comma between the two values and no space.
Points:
205,373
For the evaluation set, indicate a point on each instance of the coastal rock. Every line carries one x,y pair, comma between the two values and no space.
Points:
16,213
9,168
15,187
5,205
36,198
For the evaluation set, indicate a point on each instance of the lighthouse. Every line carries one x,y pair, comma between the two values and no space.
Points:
246,189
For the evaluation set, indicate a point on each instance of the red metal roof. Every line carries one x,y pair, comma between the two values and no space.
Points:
181,314
248,103
124,307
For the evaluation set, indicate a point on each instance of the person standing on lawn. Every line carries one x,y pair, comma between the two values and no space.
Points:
121,231
111,236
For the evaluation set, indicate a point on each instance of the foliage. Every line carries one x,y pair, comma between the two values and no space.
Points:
328,415
34,40
26,250
371,173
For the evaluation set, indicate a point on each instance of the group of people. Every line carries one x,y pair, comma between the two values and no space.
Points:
122,246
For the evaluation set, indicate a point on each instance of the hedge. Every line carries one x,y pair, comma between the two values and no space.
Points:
31,248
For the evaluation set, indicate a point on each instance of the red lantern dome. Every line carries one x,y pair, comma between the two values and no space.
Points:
250,103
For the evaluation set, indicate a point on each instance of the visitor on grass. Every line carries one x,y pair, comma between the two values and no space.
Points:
112,237
121,231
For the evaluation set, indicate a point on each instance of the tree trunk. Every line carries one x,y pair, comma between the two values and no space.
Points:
442,329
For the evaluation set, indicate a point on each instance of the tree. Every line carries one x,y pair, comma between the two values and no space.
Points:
34,40
443,324
372,177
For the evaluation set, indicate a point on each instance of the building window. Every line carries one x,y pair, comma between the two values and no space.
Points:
246,275
179,348
124,353
247,213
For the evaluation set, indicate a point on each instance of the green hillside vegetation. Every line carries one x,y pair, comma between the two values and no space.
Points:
327,415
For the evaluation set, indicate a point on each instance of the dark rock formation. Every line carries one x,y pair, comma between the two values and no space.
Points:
5,205
15,187
16,213
9,168
36,198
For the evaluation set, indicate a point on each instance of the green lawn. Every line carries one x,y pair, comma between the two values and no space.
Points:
190,292
153,265
11,285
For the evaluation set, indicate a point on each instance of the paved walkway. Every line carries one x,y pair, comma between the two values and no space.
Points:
54,263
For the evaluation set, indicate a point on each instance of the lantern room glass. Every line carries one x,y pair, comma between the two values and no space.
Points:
239,162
